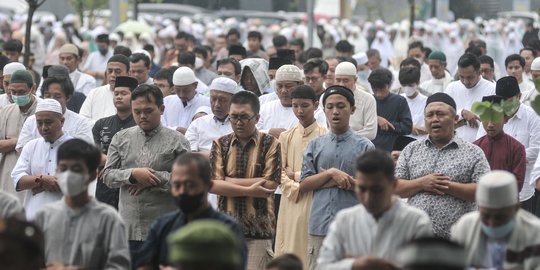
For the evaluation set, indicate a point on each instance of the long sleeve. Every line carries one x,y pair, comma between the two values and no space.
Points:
272,168
118,256
333,255
26,133
193,135
218,166
403,124
308,163
369,129
289,187
84,132
86,108
89,84
520,163
23,166
113,176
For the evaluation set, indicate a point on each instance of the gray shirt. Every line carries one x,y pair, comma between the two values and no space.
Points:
462,161
133,148
91,237
332,151
10,206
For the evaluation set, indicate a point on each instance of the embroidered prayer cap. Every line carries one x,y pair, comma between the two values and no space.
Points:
224,84
10,68
497,189
69,48
535,64
361,58
346,69
288,73
49,105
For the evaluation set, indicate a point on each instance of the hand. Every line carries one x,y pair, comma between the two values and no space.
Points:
37,190
49,183
371,263
181,130
135,190
384,124
289,173
419,131
275,132
145,177
471,118
103,160
258,191
343,180
435,183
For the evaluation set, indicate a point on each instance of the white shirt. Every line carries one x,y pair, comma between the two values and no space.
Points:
4,100
416,106
275,115
267,98
425,73
74,125
354,232
437,85
82,82
176,115
364,119
524,126
37,158
204,130
98,104
149,81
464,99
97,63
528,91
202,88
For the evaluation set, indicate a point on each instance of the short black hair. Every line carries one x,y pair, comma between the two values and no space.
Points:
479,43
81,51
409,75
136,57
254,34
3,61
64,82
204,168
285,262
410,61
468,60
147,91
247,97
202,51
373,53
298,42
473,49
514,57
486,59
375,161
427,51
120,58
233,32
349,59
165,74
379,78
534,52
312,52
123,50
304,91
232,61
149,48
103,38
186,58
316,63
416,44
279,41
80,149
13,45
344,46
182,35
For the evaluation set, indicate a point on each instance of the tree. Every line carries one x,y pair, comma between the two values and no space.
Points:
33,5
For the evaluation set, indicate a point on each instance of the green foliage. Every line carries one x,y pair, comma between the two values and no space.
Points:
535,104
494,112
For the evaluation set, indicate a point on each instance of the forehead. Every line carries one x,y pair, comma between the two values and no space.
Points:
116,65
344,77
241,108
138,64
302,100
55,87
332,62
226,66
144,102
47,115
514,63
183,171
315,70
218,94
19,86
72,162
65,55
286,82
415,50
121,89
336,98
434,61
437,106
466,70
161,81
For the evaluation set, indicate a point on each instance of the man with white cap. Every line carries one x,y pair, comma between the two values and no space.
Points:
69,57
362,71
180,108
500,235
35,170
9,69
530,95
12,118
535,68
277,115
364,119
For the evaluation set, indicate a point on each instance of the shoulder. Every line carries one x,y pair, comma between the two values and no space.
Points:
105,210
52,209
361,140
128,131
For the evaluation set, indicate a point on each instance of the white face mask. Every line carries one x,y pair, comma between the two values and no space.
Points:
198,63
409,90
72,183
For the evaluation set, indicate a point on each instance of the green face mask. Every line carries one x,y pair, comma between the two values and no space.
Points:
21,100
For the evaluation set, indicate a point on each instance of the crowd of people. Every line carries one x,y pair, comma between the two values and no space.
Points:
232,145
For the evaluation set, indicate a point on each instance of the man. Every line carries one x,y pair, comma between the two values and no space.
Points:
344,49
273,65
188,59
374,59
514,64
77,99
535,68
254,45
409,77
440,77
94,237
280,42
180,108
180,46
35,170
237,52
393,114
105,129
201,71
417,51
69,56
362,72
97,62
487,68
528,54
500,234
139,67
190,183
502,151
470,88
277,115
3,62
429,174
292,222
99,103
372,232
364,120
204,130
75,125
315,71
327,168
13,49
330,79
139,162
432,253
230,68
163,80
242,159
12,117
298,46
9,69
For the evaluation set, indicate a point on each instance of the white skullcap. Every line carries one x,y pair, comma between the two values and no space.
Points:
288,73
361,58
49,105
497,189
345,69
224,84
535,64
10,68
184,76
145,52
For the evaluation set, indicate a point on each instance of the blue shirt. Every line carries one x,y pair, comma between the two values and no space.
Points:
395,109
332,151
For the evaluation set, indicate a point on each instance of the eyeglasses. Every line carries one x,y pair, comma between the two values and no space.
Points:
312,79
242,118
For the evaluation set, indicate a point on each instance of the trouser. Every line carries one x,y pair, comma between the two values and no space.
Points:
277,201
314,247
134,247
259,253
537,203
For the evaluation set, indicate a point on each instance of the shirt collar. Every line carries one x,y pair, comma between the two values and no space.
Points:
253,138
390,213
307,130
341,137
496,138
453,143
75,212
520,112
152,132
59,141
217,121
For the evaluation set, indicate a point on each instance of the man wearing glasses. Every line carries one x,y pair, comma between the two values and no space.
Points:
487,68
315,71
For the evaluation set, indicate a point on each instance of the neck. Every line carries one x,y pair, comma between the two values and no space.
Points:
307,123
414,95
245,140
520,80
221,119
377,216
77,201
440,143
123,114
57,137
190,217
339,131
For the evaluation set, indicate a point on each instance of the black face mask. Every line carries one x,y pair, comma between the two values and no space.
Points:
189,204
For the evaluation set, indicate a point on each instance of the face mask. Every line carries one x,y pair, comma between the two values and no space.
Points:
103,51
198,63
72,183
498,232
363,75
189,204
21,100
409,90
